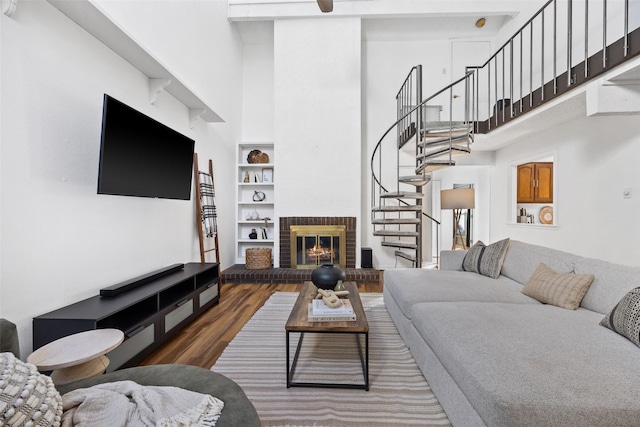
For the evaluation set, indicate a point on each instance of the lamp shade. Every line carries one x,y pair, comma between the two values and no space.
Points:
458,198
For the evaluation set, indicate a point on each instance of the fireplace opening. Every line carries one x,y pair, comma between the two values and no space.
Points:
313,245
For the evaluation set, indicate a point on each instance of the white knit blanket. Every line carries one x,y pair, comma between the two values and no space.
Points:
128,403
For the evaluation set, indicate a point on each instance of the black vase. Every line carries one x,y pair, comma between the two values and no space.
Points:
326,276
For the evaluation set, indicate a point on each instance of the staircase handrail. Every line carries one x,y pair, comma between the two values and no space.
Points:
516,87
415,67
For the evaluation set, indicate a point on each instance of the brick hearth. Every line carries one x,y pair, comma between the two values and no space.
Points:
239,274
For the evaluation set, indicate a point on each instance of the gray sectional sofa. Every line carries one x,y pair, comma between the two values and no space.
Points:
496,357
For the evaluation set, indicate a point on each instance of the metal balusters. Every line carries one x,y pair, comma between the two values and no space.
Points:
531,64
604,34
555,47
542,57
626,27
586,38
488,65
569,40
504,107
511,112
521,77
495,61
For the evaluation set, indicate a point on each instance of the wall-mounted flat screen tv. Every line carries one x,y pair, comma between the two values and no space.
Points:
140,156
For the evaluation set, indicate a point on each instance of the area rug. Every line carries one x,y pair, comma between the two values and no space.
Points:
398,395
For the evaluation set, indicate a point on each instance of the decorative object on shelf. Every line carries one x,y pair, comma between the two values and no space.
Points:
246,177
257,156
524,218
259,196
546,215
267,175
339,286
264,233
457,199
253,235
326,276
257,258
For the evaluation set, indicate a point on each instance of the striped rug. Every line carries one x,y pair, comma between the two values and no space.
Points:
398,395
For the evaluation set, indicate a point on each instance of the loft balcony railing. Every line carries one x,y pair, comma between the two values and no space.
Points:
565,44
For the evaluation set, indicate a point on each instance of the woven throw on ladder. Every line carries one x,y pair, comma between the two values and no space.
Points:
208,205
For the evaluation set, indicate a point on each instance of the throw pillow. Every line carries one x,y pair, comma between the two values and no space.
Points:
486,260
562,290
27,397
625,317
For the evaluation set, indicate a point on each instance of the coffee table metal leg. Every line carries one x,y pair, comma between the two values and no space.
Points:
295,359
287,371
364,361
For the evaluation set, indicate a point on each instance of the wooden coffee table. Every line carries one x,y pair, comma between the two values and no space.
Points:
298,323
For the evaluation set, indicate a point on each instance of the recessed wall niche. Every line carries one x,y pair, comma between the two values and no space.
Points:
534,195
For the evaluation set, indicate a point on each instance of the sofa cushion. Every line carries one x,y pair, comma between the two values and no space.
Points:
533,365
486,260
523,258
562,290
611,283
625,317
409,286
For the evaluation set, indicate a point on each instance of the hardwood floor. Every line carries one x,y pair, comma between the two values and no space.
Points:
201,342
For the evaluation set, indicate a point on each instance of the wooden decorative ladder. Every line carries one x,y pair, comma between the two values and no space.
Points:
205,212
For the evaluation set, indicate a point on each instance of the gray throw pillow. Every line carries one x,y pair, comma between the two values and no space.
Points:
625,317
486,260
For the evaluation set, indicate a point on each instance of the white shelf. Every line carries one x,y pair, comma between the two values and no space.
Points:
245,206
255,165
96,21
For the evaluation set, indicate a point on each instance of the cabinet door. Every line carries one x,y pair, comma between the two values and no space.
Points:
526,176
544,183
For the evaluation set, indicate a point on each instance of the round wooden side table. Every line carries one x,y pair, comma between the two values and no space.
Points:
77,356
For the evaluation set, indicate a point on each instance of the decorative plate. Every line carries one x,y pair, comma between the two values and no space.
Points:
546,215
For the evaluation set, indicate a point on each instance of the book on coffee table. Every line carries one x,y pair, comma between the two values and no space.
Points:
335,317
322,309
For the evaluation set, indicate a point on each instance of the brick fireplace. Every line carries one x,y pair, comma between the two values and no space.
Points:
349,224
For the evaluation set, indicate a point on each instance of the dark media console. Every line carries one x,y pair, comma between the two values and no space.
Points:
148,309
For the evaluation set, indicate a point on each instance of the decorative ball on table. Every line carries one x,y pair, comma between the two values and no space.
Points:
327,276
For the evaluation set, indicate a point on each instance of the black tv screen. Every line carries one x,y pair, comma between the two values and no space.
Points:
140,156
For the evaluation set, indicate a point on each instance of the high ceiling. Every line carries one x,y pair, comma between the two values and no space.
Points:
384,20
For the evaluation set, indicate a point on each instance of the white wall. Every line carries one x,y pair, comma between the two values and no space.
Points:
61,242
317,116
258,92
596,160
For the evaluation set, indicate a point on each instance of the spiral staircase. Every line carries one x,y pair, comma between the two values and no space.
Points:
424,143
511,83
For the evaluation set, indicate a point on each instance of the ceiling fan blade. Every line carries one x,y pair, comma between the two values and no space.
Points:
325,5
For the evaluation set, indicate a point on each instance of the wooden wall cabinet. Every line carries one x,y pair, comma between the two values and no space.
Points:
535,182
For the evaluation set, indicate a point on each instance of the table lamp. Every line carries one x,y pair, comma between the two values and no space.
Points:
457,199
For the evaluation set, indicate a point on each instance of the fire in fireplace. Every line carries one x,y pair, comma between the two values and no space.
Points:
313,245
